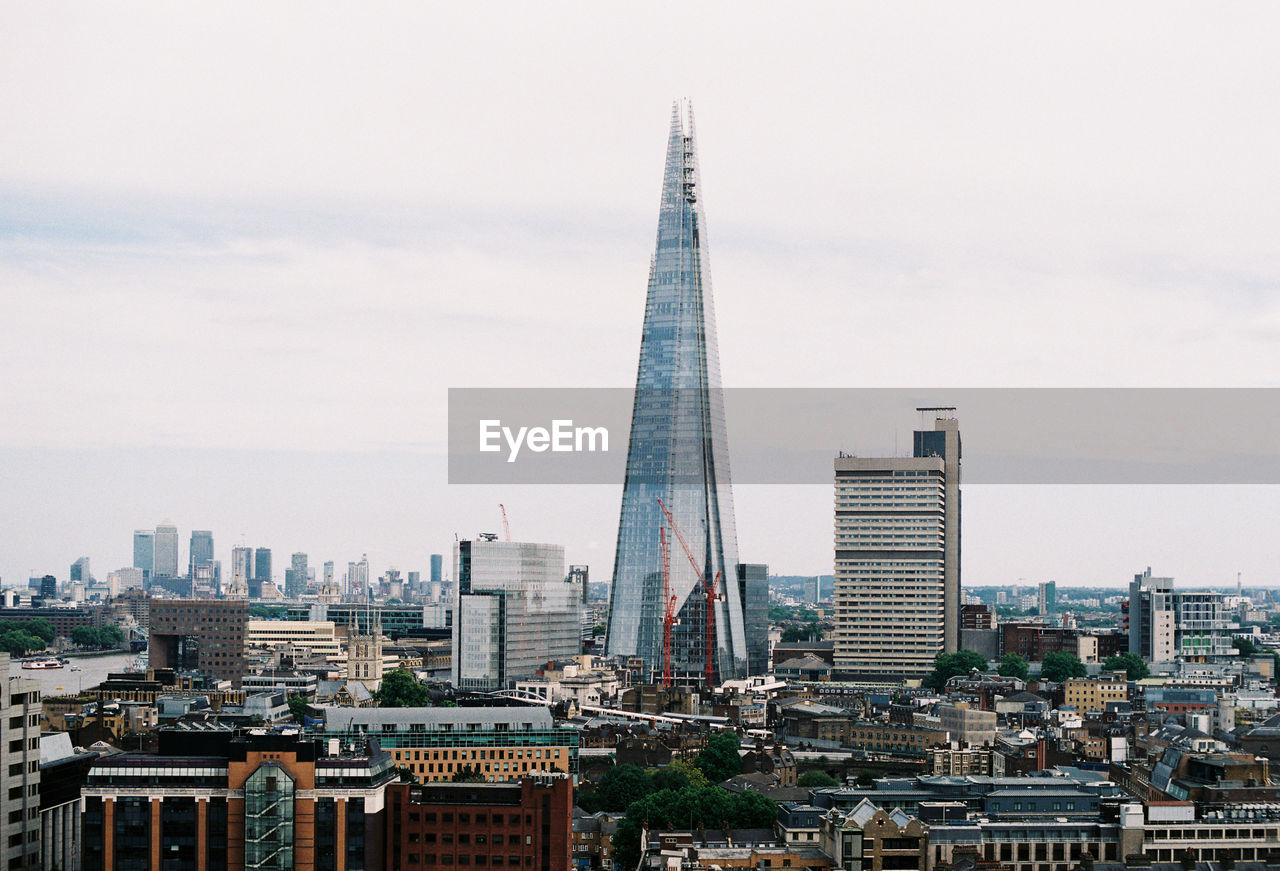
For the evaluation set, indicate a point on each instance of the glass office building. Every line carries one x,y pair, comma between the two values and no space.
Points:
516,610
678,452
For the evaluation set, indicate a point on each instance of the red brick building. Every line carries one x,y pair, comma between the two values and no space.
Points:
1034,640
526,824
204,635
977,616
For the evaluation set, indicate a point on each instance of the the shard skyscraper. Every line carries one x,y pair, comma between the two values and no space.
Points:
678,454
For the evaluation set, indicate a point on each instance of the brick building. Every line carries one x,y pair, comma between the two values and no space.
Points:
220,800
526,824
64,620
200,635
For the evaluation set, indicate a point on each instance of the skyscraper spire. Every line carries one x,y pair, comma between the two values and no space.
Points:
678,450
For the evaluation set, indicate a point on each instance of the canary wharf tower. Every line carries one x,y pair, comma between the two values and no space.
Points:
678,458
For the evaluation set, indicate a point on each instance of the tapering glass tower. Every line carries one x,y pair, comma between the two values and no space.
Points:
678,453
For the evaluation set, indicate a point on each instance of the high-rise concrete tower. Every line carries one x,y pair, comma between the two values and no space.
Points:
144,553
678,452
166,552
897,556
201,551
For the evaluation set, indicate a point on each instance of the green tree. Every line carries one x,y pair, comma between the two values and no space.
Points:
622,785
400,689
40,627
1130,663
298,707
811,631
1013,664
1245,646
467,774
814,779
949,665
720,760
678,775
1061,665
707,806
19,642
97,637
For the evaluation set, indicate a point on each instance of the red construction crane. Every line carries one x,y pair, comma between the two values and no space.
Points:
668,618
506,527
709,589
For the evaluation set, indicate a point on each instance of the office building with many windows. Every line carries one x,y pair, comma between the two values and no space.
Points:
678,454
517,825
210,801
516,611
496,744
144,553
20,778
897,557
199,635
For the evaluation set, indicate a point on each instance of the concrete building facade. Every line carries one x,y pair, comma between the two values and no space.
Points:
897,557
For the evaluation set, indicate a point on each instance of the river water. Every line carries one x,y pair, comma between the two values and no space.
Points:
65,682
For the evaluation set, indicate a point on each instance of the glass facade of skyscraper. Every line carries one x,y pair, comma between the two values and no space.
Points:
678,452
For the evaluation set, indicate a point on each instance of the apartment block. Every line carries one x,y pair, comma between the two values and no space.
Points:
897,557
19,771
1092,694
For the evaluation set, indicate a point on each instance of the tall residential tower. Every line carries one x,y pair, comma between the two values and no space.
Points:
897,556
678,454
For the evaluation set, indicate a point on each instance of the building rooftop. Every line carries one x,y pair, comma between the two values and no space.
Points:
437,719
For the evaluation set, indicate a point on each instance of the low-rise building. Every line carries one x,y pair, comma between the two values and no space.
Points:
525,823
970,726
498,744
1087,694
869,837
63,771
966,761
315,637
214,799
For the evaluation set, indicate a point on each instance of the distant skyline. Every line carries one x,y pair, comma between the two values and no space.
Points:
245,251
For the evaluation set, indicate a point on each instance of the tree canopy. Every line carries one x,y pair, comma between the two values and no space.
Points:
20,637
811,631
1130,663
677,775
1012,664
97,637
467,774
707,807
1061,665
622,785
949,665
815,778
1245,646
720,760
400,689
298,707
20,642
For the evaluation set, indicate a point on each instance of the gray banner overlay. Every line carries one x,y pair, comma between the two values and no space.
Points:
792,435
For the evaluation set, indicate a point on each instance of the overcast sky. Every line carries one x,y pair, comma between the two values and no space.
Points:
245,249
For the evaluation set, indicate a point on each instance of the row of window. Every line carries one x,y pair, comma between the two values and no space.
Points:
467,859
464,818
480,838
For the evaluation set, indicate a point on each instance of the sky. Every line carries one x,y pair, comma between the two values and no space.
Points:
246,249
